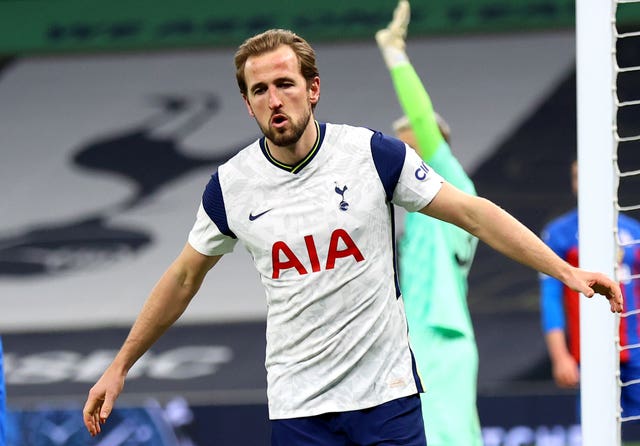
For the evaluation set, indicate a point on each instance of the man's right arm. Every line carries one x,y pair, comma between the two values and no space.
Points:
166,302
500,230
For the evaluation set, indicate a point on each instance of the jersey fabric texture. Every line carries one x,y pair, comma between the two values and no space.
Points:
435,258
322,239
560,305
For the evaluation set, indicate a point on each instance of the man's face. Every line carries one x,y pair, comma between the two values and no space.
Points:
278,97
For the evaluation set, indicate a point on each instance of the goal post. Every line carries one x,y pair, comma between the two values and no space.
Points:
597,216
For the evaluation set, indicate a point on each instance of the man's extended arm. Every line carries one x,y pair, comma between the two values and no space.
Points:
505,234
167,301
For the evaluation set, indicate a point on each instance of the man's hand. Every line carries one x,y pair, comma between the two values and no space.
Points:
563,366
101,399
589,283
565,372
391,40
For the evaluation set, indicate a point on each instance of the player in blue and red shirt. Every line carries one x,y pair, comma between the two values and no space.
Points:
560,306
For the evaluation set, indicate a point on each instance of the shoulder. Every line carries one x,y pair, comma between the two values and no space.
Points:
562,229
243,154
566,220
379,144
248,156
346,133
354,131
624,219
230,171
364,141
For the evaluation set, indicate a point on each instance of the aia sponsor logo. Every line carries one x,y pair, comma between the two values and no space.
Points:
341,245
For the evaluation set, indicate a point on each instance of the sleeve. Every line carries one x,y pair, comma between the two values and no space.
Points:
417,106
407,180
451,170
551,291
210,234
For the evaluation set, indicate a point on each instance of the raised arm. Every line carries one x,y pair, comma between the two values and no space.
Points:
421,127
505,234
166,302
412,95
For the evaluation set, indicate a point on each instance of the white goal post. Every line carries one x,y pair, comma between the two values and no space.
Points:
597,183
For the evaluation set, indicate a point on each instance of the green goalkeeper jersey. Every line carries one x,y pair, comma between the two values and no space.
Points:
435,256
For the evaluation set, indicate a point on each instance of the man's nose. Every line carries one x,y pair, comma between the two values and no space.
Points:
274,99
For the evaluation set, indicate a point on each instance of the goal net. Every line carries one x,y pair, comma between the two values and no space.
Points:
608,99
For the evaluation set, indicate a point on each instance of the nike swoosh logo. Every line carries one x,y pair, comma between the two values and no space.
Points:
253,217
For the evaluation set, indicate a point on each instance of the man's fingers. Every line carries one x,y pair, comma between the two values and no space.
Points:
97,409
616,303
107,407
610,290
401,17
90,416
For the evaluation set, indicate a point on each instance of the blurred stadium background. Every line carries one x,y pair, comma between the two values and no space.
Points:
114,114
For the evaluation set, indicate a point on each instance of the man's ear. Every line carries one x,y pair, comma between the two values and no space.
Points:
249,109
314,90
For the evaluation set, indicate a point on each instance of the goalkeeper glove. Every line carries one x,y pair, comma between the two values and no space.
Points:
391,40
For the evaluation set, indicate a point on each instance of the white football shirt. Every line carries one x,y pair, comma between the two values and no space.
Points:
322,238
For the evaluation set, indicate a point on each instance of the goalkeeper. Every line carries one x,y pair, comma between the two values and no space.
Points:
440,328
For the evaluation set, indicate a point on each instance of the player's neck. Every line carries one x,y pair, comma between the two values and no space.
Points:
294,153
